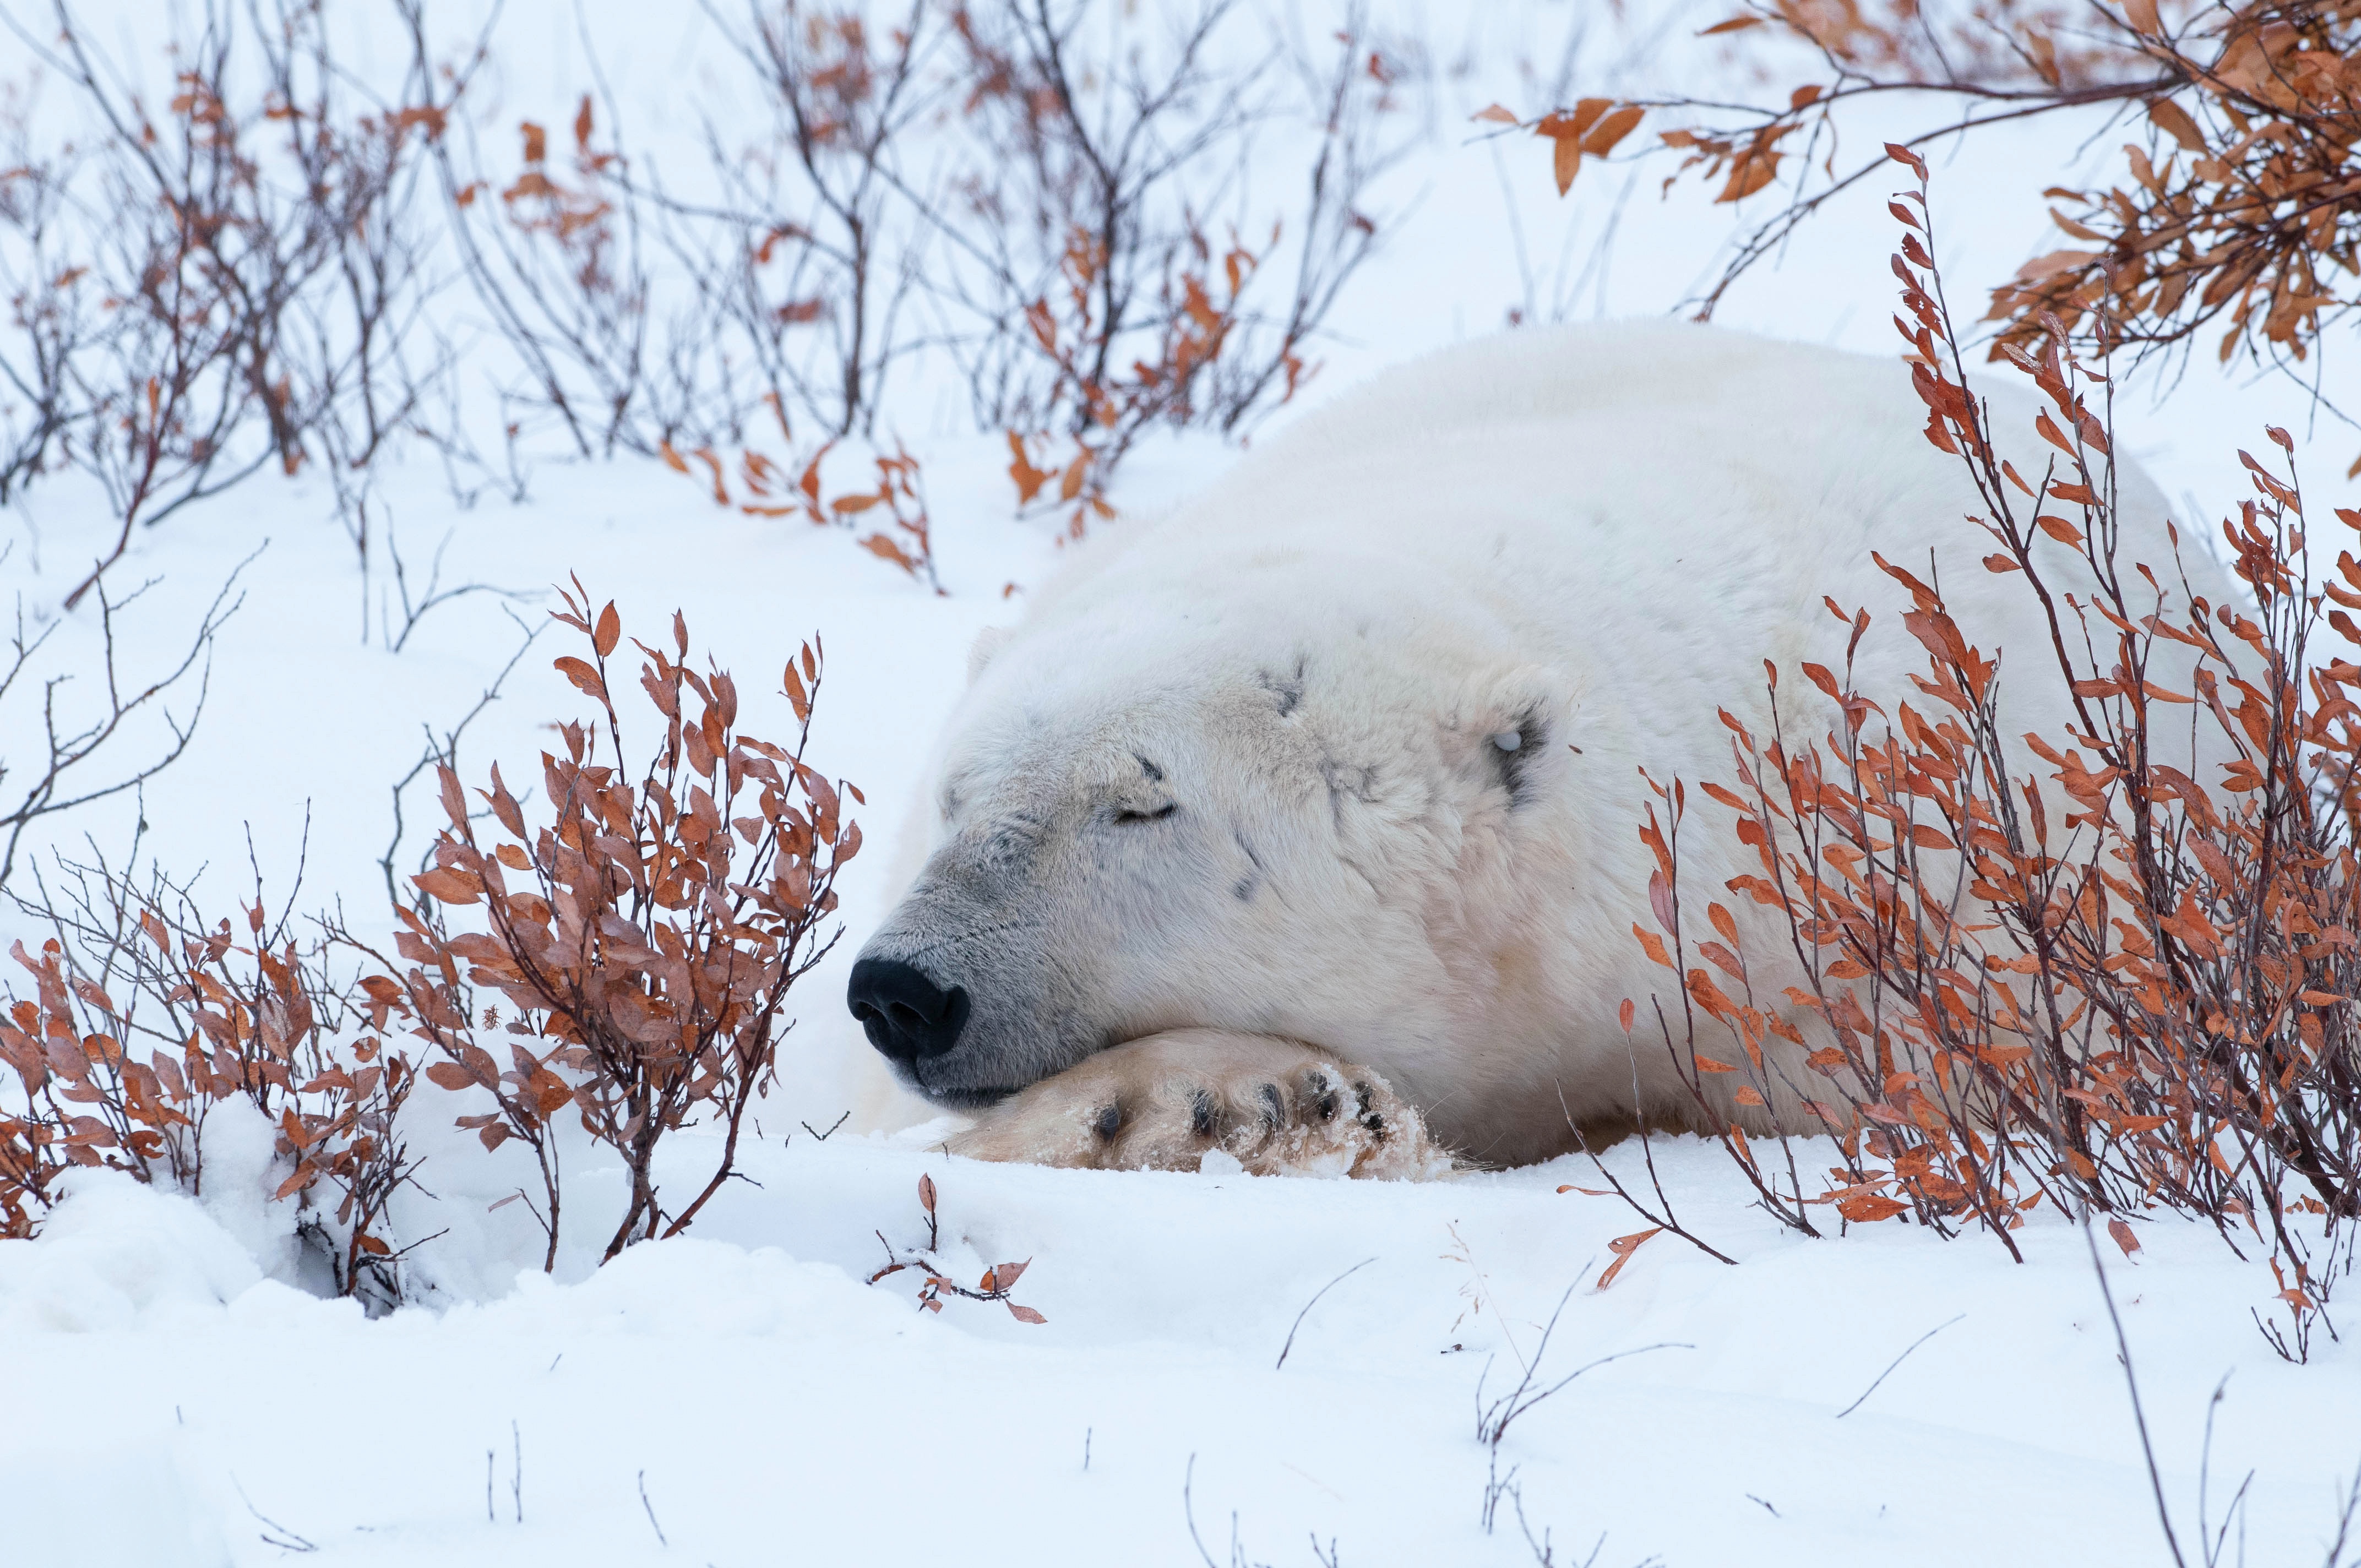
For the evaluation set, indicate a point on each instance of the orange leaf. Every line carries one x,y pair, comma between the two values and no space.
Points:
1566,162
2174,121
1623,1247
582,675
879,545
1610,130
445,885
1866,1208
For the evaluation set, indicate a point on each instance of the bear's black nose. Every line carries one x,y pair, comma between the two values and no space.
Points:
904,1014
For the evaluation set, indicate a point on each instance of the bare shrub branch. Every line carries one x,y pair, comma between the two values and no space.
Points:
64,771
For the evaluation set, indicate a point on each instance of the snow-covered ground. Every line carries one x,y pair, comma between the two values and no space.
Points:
777,1409
743,1396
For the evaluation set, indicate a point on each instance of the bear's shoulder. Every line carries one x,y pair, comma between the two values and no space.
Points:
1680,372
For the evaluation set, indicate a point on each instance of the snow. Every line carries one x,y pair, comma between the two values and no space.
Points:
743,1395
774,1403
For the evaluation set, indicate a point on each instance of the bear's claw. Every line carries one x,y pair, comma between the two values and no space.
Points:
1163,1103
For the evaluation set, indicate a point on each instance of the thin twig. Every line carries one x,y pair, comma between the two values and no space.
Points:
652,1512
1897,1361
1313,1303
286,1539
2131,1383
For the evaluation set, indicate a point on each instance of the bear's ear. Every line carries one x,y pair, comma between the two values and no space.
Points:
1513,725
987,642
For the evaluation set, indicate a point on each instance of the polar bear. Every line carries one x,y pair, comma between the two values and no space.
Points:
1304,821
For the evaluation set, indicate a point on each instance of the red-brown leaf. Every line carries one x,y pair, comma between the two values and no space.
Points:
1623,1247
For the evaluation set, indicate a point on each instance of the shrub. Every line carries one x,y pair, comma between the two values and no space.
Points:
663,919
977,187
935,1279
2234,214
1111,306
252,275
226,286
2159,1013
648,957
261,1020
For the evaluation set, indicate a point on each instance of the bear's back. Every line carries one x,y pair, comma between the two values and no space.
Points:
1654,507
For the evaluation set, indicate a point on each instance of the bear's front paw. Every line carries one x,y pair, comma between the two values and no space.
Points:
1166,1102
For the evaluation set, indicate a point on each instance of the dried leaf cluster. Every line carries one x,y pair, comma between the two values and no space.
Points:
2158,1015
2241,210
935,1280
217,1019
1102,409
907,541
645,937
2237,211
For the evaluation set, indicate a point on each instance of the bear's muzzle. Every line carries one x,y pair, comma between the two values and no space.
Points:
905,1014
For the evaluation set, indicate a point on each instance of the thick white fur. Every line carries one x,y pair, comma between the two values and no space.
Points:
1604,529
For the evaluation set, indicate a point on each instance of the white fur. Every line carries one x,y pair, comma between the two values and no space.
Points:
1605,528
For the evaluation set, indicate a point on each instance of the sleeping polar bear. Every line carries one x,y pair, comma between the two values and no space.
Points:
1302,824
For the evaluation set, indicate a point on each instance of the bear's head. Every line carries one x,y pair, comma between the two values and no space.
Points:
1231,820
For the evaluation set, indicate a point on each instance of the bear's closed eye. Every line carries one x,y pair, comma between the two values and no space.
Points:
1154,814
